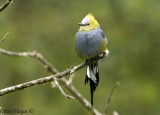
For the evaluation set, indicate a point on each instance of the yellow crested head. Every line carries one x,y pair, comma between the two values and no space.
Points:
88,23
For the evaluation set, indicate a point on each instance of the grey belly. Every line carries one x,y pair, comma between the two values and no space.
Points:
88,47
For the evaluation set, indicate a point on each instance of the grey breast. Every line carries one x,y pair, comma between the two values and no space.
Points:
88,44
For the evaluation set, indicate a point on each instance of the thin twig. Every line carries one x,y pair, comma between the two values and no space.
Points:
70,87
70,80
5,5
4,37
80,98
39,81
110,96
53,85
61,90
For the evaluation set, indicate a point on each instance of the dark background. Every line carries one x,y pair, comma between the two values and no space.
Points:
49,27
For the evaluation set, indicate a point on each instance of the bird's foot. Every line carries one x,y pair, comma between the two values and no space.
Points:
102,54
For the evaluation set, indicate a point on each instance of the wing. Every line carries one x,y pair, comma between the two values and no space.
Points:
104,37
104,41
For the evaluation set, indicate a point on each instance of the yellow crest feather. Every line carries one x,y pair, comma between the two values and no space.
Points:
90,15
93,24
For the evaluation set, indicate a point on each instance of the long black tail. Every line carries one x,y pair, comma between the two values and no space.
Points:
92,76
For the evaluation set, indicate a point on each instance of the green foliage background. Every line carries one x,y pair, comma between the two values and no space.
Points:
49,26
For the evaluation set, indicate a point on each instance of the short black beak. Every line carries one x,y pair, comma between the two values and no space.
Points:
80,24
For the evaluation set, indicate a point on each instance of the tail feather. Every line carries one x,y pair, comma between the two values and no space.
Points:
93,77
86,79
97,74
92,89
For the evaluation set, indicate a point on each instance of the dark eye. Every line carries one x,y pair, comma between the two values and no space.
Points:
86,24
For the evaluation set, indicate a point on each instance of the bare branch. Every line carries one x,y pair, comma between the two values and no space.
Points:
110,96
53,85
5,5
4,37
38,81
80,98
25,85
61,90
71,79
70,87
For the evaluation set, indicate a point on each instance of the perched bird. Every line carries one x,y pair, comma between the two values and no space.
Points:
90,42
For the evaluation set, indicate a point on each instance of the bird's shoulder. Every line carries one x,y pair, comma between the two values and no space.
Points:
90,33
81,34
103,35
95,33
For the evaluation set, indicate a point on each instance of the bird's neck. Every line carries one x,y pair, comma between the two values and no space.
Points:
88,28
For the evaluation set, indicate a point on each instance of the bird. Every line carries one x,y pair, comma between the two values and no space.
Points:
90,41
